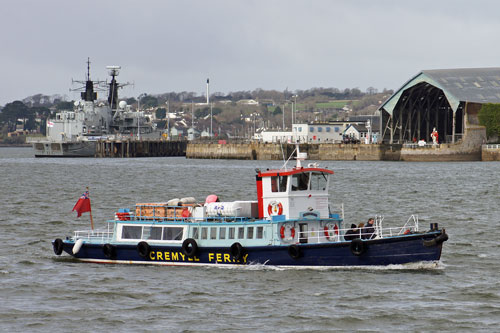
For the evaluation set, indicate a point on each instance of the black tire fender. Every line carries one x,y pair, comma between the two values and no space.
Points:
294,251
189,247
109,251
357,247
442,238
143,249
236,251
58,246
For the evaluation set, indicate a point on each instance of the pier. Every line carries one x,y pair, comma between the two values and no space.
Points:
140,148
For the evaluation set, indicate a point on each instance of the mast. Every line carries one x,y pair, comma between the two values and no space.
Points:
113,86
88,95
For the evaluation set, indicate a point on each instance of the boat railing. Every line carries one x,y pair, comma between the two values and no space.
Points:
95,235
335,234
180,219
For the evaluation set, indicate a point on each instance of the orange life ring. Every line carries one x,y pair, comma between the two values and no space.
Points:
282,232
275,208
329,234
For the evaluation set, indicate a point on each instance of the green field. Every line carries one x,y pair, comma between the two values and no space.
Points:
333,104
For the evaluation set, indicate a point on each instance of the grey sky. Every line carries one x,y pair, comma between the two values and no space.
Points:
240,45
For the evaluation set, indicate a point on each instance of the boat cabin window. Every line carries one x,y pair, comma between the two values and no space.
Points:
300,181
204,233
260,232
195,233
222,233
213,233
250,232
278,183
241,232
131,232
172,233
154,233
231,233
319,181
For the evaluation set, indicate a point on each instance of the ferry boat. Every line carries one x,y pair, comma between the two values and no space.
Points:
291,224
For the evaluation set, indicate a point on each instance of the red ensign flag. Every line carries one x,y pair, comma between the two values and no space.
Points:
83,204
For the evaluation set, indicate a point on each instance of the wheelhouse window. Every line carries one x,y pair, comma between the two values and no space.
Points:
278,183
300,181
319,181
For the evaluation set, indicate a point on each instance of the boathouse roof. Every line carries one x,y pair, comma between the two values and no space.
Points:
478,85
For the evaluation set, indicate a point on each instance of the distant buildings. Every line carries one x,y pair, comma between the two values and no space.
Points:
363,128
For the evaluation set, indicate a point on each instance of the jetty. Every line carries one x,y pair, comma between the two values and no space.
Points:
140,148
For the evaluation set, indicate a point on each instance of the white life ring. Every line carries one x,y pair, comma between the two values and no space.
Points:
331,231
287,232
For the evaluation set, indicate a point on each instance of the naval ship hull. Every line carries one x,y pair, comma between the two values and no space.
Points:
65,149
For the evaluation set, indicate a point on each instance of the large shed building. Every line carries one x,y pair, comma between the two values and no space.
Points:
448,100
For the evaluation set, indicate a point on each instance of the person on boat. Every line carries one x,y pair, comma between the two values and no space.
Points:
369,230
352,233
359,230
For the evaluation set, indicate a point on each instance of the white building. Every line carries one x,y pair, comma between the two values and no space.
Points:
307,133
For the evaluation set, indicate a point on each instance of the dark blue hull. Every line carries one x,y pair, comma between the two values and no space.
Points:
387,251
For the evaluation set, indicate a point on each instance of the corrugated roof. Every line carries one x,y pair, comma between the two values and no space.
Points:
479,85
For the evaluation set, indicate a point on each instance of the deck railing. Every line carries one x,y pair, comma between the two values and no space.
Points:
337,235
95,235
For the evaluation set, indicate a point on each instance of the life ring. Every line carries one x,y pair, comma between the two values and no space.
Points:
357,247
58,246
331,232
294,251
283,231
236,251
189,247
109,251
143,249
275,208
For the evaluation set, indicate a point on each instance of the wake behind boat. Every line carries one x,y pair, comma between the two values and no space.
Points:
291,224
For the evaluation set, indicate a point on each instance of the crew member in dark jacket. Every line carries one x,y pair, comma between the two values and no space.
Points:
369,229
352,233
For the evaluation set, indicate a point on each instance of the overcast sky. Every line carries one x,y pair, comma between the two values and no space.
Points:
167,46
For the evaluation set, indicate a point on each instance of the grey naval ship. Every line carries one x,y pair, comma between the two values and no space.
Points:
74,133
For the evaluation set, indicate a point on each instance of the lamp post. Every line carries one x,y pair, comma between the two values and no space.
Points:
294,109
211,133
168,119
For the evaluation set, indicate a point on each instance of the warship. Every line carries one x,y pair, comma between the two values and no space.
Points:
74,133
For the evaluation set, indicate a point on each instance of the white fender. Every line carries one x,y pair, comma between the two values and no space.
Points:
77,246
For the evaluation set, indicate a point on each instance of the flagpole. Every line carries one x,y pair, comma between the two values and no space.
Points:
91,218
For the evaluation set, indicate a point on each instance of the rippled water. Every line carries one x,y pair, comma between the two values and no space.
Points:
42,292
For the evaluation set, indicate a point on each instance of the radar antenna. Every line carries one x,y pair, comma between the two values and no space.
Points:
88,93
113,71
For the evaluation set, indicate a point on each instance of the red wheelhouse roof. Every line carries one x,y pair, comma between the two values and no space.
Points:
288,172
